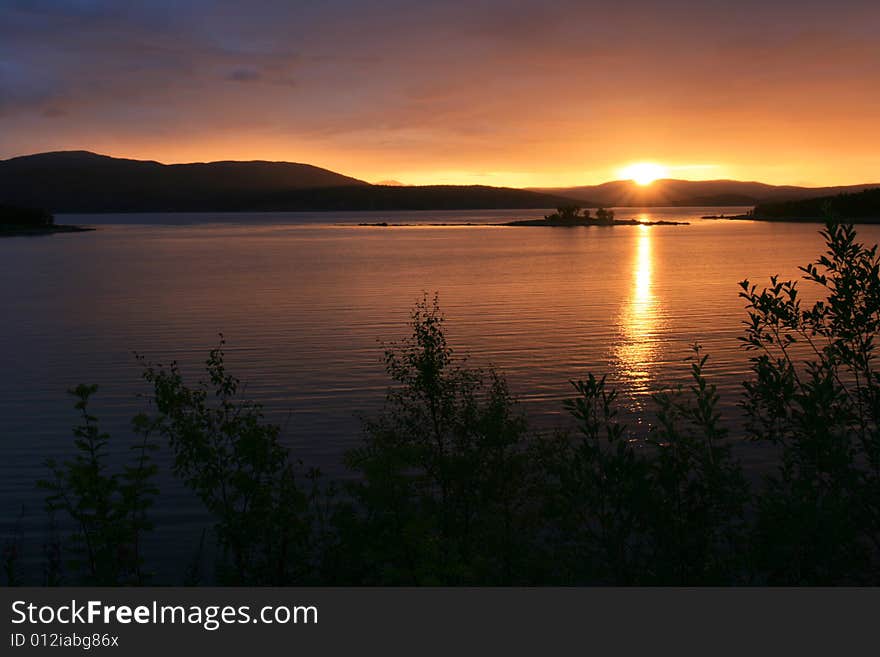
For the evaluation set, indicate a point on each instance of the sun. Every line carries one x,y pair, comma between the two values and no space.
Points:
643,173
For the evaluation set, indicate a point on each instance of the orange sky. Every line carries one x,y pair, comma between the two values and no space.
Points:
498,93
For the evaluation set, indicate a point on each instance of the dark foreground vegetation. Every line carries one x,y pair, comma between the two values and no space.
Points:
454,488
860,207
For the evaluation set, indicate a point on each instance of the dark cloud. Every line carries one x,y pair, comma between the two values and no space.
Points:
244,75
54,112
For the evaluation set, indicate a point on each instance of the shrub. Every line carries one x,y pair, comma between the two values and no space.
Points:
815,395
440,496
109,510
231,457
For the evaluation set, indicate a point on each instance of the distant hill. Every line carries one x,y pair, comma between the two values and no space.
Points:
80,181
392,197
860,207
623,193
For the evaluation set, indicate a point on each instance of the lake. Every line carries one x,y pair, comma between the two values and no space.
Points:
306,300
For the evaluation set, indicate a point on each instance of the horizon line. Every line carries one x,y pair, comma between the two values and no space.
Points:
396,183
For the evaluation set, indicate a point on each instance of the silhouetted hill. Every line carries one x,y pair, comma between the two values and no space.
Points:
71,181
80,181
692,192
861,207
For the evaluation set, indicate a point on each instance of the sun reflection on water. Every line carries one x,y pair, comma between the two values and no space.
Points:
636,352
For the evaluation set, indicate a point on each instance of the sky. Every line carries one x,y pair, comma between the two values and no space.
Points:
516,93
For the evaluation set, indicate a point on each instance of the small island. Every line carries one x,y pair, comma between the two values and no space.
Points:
16,221
572,215
566,216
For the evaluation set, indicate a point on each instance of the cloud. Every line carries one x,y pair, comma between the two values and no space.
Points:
244,75
54,112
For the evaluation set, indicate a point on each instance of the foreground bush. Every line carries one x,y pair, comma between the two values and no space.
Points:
227,454
818,519
664,509
108,510
442,496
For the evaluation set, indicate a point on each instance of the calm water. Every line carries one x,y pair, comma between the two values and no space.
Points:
305,301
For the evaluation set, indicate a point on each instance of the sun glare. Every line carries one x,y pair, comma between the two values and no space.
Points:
643,173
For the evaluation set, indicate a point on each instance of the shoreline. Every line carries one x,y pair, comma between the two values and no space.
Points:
36,231
531,222
818,220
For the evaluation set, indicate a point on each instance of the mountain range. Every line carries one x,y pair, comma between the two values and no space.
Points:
668,192
81,181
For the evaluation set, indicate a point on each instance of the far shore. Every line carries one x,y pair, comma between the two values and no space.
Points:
615,222
812,220
33,231
534,222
